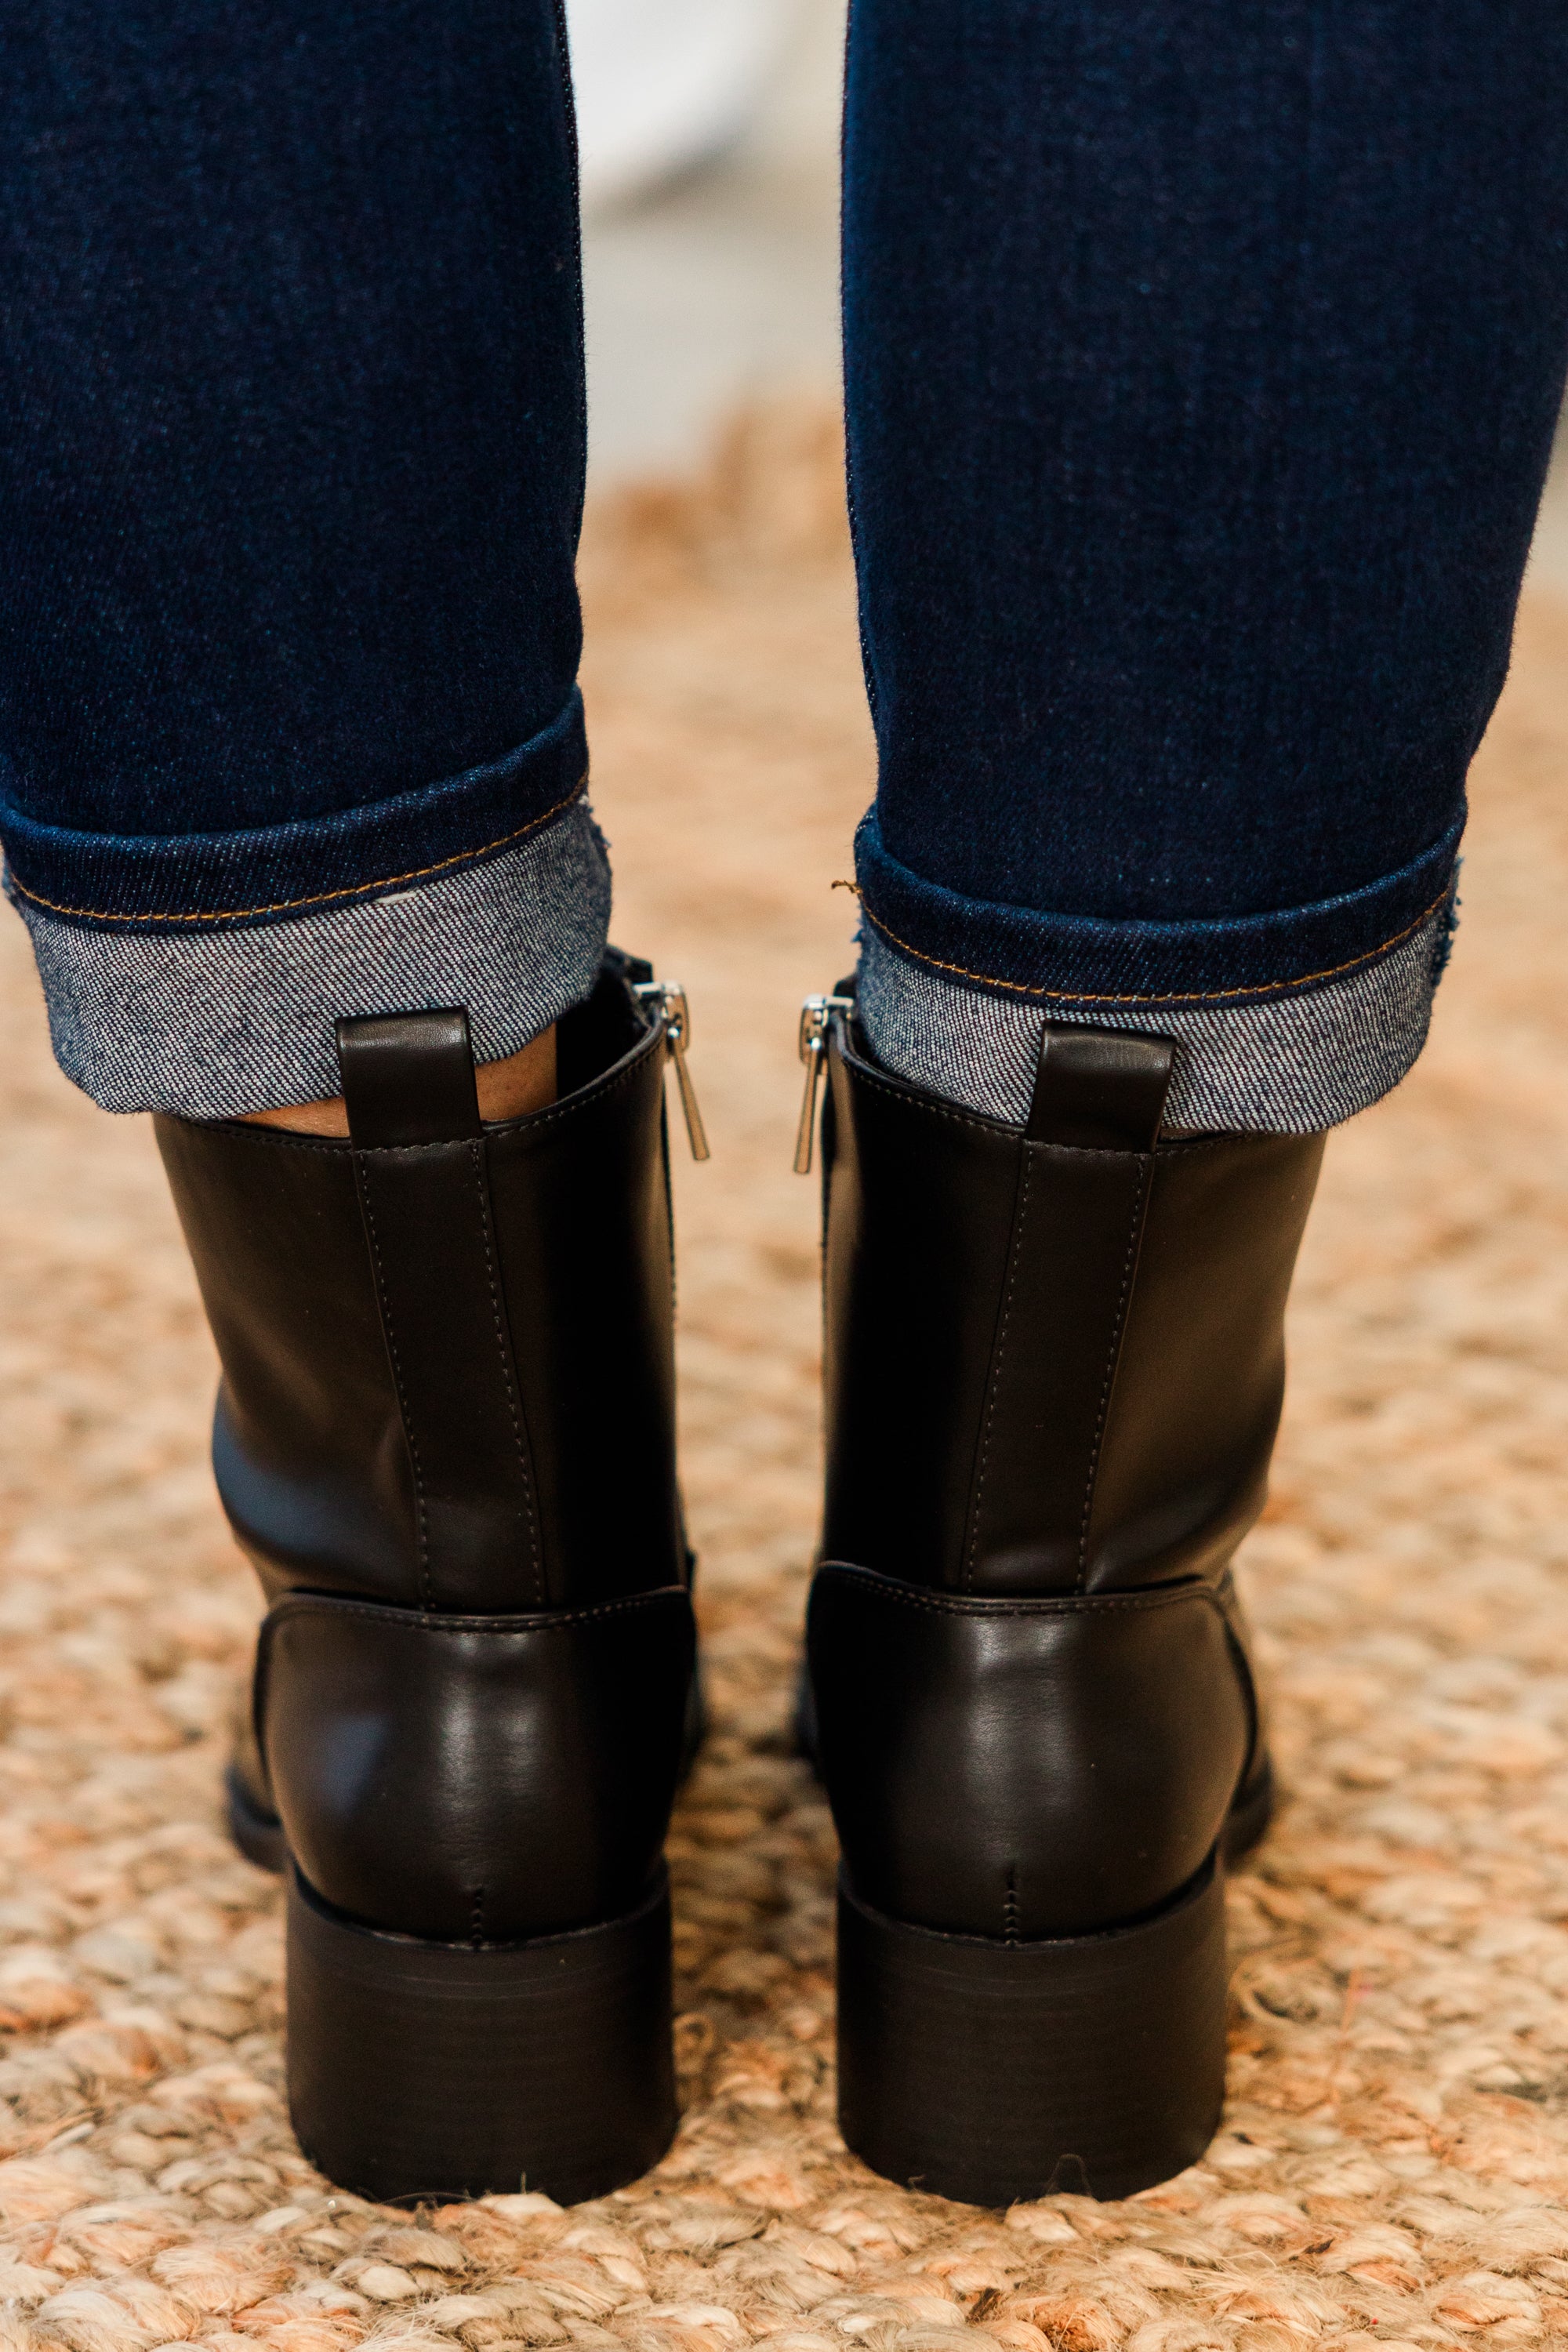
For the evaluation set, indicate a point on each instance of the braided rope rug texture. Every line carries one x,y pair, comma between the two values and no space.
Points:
1393,2165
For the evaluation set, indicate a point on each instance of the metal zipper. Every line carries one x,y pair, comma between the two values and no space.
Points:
670,999
816,1020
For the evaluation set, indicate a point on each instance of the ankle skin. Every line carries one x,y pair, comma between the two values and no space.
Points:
508,1089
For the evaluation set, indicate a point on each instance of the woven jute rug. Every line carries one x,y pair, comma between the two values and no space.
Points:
1394,2166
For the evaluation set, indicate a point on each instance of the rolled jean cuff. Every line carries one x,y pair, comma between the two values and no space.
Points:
1087,962
213,1022
1291,1058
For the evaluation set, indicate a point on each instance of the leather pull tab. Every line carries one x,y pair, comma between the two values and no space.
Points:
1100,1089
408,1078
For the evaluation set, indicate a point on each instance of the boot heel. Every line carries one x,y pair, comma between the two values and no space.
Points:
991,2072
423,2071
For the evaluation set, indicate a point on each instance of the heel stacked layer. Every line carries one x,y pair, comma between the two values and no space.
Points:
421,2072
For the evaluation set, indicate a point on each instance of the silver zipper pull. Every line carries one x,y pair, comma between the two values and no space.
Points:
816,1019
670,999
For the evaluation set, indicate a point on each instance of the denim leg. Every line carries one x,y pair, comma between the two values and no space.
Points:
291,456
1202,368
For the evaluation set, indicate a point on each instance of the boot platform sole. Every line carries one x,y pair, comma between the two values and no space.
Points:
425,2072
979,2070
421,2072
993,2072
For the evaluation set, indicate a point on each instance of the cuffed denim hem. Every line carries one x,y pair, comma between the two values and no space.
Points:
1094,964
213,1023
1288,1066
192,881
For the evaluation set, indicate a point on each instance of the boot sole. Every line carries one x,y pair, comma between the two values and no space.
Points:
422,2072
419,2070
981,2070
991,2073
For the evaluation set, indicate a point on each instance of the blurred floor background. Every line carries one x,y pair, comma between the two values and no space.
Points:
721,283
1549,556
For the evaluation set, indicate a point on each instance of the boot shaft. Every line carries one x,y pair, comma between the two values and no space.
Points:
447,1349
1054,1362
1054,1359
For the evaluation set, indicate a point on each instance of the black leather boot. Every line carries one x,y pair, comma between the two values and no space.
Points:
445,1438
1054,1373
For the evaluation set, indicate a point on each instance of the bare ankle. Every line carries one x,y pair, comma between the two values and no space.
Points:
523,1082
507,1089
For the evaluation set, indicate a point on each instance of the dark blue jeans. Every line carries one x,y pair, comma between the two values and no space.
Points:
1201,366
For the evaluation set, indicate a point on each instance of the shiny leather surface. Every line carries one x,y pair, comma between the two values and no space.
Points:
476,1778
1100,1089
524,1278
445,1435
408,1078
1048,1366
1024,1769
1053,1369
426,1207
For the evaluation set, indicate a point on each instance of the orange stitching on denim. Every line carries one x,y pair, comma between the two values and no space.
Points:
1196,996
319,897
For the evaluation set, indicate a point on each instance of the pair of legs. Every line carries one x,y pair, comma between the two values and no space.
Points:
1200,381
1200,373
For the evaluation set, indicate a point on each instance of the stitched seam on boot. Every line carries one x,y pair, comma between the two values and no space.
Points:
1113,1357
447,1621
513,1402
505,1131
421,1514
910,1101
983,1605
993,1380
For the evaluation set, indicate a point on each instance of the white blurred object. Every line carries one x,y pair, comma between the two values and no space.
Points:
662,84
